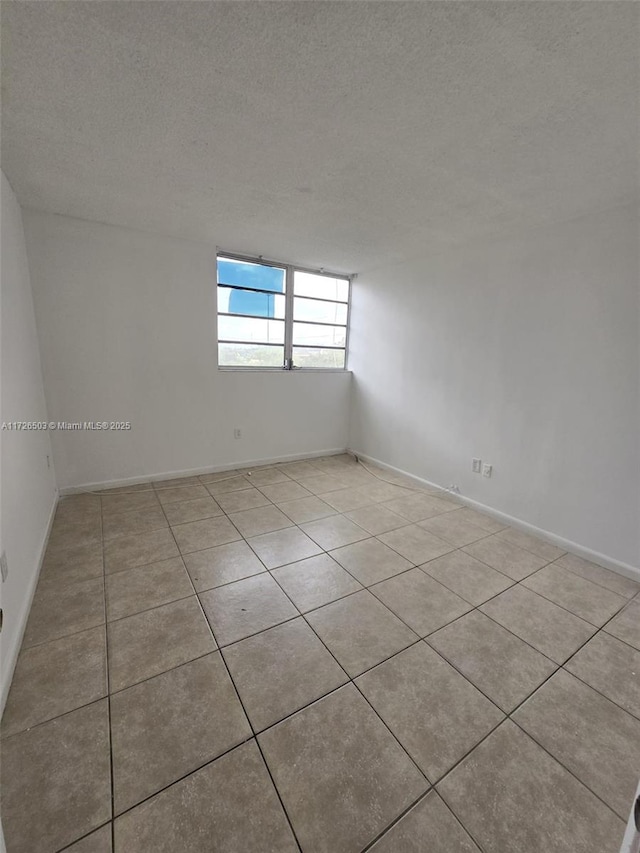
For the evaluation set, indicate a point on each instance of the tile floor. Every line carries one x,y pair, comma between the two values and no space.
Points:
308,657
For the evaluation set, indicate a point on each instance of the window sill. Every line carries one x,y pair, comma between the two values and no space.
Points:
282,370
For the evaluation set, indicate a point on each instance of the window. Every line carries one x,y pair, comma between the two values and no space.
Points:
280,316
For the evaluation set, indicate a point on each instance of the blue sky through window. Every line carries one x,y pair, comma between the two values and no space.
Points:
251,275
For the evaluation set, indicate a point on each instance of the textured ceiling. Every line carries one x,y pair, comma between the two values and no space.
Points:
340,134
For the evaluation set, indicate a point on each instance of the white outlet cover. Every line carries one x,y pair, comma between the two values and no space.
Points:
476,465
487,470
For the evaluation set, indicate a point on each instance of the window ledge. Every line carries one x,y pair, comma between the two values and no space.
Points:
282,370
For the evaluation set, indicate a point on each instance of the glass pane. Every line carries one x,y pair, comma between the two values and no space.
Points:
244,273
320,286
319,312
320,336
250,355
241,329
318,357
247,302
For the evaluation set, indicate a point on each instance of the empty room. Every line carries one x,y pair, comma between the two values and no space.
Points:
320,446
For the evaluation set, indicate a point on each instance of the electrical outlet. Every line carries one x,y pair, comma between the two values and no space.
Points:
4,566
237,433
476,465
487,470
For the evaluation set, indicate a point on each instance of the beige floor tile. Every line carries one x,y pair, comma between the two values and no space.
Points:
299,470
215,476
418,507
65,534
381,491
593,603
597,574
230,805
315,581
420,601
360,631
242,499
341,775
78,507
353,477
308,509
435,713
589,735
97,842
283,546
376,519
505,557
266,476
175,482
130,523
332,465
370,561
84,522
333,532
54,678
170,725
182,493
127,552
531,543
199,535
264,519
321,484
222,564
58,612
502,666
453,528
469,578
491,525
246,607
429,819
146,586
281,492
227,484
133,502
626,625
347,499
416,544
144,486
551,629
280,671
612,668
56,784
184,511
75,563
512,796
157,640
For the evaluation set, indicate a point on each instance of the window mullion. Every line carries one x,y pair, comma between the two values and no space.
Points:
288,320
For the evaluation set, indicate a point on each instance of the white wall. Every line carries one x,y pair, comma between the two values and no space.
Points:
127,326
28,489
523,352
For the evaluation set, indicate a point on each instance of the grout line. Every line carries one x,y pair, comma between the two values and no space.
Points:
397,819
351,680
108,823
244,710
568,770
524,701
108,683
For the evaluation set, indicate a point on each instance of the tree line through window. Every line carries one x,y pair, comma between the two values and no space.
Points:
280,316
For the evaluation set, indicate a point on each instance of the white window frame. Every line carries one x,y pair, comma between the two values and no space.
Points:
290,270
